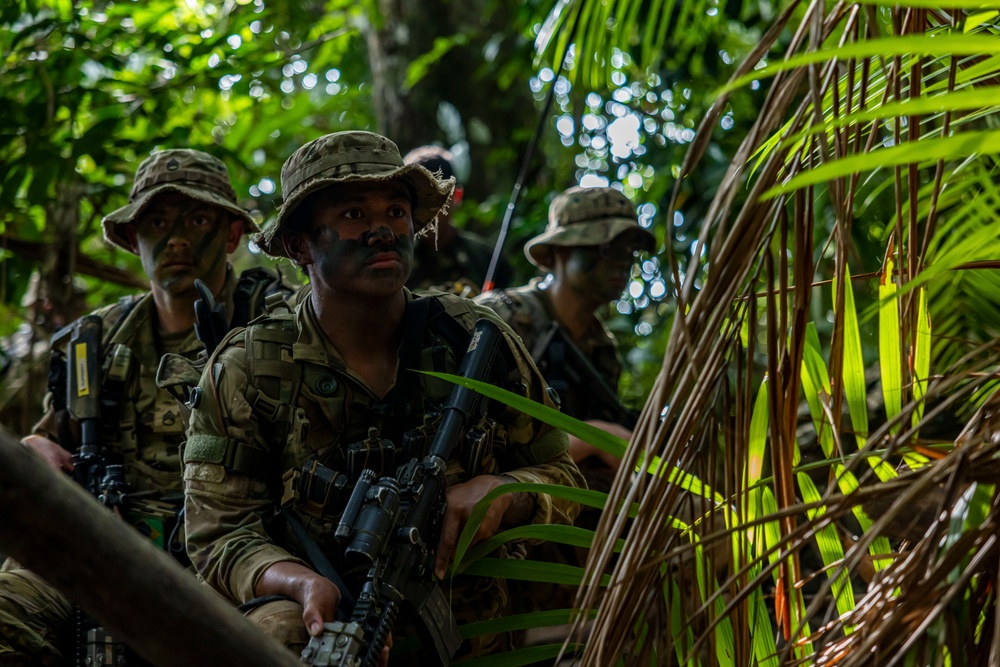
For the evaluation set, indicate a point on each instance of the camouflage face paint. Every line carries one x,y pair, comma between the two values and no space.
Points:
361,239
600,278
181,239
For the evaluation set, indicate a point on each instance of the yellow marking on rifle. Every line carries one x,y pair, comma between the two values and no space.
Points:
82,380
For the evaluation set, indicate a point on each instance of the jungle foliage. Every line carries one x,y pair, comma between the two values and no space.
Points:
813,479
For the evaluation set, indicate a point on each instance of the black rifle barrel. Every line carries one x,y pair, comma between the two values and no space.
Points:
50,525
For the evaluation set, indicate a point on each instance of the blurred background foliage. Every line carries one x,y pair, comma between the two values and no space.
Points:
88,89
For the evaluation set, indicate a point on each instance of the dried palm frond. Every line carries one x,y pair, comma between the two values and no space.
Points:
875,116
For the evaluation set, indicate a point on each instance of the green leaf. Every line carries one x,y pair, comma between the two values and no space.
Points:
529,570
583,496
921,357
831,551
854,379
890,363
590,434
973,21
419,67
757,443
920,152
907,46
816,387
571,535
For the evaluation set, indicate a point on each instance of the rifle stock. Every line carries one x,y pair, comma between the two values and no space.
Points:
395,533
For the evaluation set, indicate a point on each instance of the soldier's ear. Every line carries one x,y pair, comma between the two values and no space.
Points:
296,248
131,237
236,229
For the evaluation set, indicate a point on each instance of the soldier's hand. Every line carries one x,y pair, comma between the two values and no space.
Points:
57,457
580,450
317,594
460,499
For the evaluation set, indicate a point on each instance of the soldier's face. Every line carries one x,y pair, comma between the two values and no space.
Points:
360,239
599,271
180,239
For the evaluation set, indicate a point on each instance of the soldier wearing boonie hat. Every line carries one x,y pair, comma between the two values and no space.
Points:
587,249
189,172
587,217
303,389
183,220
351,157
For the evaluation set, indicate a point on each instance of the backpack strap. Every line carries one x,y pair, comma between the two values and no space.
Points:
252,289
275,379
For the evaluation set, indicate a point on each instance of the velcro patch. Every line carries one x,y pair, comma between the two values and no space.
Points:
205,449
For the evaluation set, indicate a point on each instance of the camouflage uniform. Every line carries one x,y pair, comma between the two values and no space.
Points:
34,617
528,310
24,366
270,402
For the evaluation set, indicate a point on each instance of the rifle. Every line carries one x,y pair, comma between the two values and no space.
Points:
563,357
391,526
80,377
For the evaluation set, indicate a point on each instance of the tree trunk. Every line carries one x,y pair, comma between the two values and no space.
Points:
468,78
50,525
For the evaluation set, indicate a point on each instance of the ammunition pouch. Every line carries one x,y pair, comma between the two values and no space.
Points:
373,453
161,521
315,490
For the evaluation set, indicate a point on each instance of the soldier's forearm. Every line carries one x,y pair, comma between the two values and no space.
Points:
522,506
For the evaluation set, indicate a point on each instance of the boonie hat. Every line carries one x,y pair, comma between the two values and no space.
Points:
190,172
348,157
586,217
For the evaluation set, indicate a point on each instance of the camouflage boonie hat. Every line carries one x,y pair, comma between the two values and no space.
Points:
586,216
348,157
192,173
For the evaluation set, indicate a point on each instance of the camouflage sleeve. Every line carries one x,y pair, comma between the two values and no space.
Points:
226,499
496,301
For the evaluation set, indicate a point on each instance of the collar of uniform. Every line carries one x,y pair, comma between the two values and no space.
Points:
142,312
312,345
596,335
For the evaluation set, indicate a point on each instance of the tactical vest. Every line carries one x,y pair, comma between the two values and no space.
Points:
120,387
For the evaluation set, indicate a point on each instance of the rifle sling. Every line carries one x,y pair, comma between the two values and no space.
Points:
320,563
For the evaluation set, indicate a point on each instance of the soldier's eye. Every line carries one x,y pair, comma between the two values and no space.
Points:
353,214
398,212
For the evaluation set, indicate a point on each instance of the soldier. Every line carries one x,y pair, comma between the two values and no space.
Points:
588,249
300,397
452,259
183,221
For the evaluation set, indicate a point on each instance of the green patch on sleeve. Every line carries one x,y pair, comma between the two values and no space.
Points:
548,446
205,449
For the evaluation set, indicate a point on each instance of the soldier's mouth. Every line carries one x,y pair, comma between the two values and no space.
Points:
384,259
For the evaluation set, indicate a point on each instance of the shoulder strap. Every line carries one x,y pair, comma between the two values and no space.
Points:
252,289
274,377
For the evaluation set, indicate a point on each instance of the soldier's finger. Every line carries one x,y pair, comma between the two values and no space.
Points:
313,620
446,545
